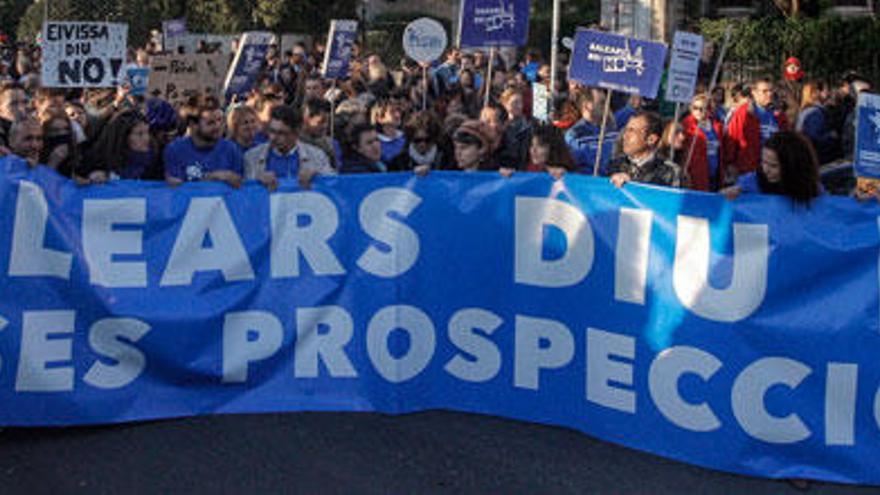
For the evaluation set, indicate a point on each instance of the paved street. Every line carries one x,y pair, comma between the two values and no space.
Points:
436,452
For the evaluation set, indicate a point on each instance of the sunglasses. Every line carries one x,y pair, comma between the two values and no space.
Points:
697,107
424,139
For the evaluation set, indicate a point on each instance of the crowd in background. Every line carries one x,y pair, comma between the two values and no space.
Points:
765,136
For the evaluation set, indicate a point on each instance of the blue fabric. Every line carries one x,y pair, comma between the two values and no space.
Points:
583,141
769,125
748,183
381,293
392,147
622,116
531,71
713,147
283,166
184,161
138,165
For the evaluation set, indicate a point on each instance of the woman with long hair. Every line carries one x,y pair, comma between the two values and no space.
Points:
124,150
423,153
60,151
812,121
789,167
549,153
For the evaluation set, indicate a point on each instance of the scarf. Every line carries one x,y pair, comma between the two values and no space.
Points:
420,159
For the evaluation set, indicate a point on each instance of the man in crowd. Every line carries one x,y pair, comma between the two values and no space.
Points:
204,155
750,126
13,106
285,156
26,140
316,123
640,163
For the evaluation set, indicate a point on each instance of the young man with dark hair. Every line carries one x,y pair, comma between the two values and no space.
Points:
204,154
315,129
640,163
13,107
285,156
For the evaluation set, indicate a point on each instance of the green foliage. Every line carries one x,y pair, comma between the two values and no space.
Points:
826,46
575,13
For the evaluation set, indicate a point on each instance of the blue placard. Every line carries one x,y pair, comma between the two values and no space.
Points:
493,23
174,28
727,334
248,63
618,63
139,80
867,153
340,40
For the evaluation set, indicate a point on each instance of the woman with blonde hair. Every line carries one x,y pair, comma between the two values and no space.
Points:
812,121
704,135
242,124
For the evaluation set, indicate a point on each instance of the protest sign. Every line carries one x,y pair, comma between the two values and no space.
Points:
617,63
424,40
337,54
83,54
540,102
178,77
248,63
191,42
867,153
138,78
684,66
659,319
172,29
487,23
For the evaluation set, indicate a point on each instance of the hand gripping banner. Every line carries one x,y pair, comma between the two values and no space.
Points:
741,336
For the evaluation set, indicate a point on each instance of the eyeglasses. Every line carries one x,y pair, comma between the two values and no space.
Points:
698,108
271,96
421,139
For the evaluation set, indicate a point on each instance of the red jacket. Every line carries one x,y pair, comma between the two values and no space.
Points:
698,167
742,143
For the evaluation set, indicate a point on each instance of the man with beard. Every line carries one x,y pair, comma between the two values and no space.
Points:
204,155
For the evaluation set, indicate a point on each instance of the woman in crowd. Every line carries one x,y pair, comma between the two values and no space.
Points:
423,153
60,152
362,151
386,117
812,121
549,153
242,125
125,150
495,119
789,167
704,136
472,146
517,132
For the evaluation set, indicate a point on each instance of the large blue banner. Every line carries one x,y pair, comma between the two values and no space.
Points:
485,23
618,63
741,335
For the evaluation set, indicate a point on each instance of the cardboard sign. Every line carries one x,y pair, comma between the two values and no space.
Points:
867,153
424,40
83,54
337,55
178,77
684,66
617,63
248,63
493,23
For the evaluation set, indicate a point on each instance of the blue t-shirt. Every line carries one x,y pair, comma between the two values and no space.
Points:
531,71
712,148
392,147
769,124
184,161
583,141
284,166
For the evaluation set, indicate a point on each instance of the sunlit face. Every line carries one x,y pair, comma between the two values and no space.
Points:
13,104
77,114
139,138
490,117
210,127
636,140
763,94
27,142
467,155
700,109
771,166
514,106
539,153
246,129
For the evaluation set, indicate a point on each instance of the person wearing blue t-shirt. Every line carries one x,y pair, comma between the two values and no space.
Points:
583,137
387,118
204,155
622,116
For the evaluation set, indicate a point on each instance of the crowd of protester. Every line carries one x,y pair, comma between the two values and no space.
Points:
756,137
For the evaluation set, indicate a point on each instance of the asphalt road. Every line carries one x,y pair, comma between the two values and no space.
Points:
435,452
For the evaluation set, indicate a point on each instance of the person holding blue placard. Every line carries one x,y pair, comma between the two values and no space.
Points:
204,155
583,137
